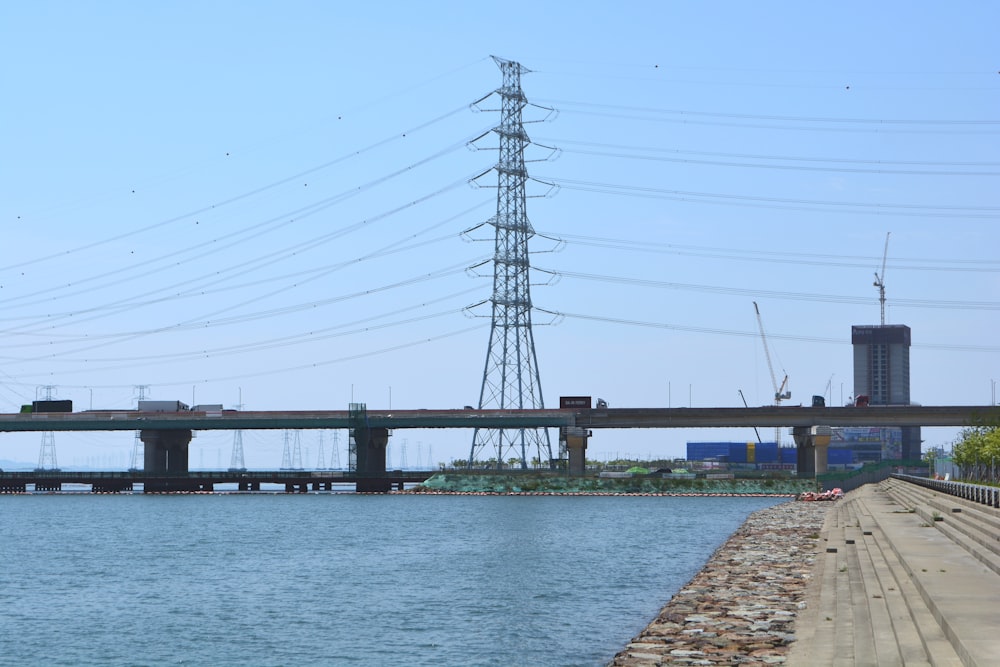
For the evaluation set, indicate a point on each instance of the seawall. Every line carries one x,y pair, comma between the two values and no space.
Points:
895,573
741,608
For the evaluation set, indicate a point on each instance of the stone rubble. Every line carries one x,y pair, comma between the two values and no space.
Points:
741,608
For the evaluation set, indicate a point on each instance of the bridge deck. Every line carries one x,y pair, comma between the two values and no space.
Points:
617,418
300,480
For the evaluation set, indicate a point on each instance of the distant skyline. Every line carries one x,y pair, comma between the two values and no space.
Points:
270,206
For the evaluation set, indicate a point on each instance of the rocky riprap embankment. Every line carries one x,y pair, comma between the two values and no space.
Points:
741,608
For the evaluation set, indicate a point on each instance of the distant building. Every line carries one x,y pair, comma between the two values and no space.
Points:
865,444
752,454
882,373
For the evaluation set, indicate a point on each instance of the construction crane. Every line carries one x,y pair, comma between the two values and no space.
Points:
880,278
781,391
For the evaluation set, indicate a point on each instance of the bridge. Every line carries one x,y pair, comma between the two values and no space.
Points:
617,418
293,481
166,435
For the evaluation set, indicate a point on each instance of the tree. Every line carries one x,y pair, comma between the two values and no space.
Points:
977,452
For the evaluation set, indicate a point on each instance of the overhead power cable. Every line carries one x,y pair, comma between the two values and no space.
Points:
245,195
751,334
878,167
287,369
793,296
95,342
781,257
271,224
201,284
771,121
786,158
913,210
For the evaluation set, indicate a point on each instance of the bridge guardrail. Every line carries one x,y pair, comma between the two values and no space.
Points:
977,493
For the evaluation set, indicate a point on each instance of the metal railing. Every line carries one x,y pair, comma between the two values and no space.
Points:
977,493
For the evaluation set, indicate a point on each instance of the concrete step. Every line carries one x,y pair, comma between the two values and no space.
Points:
974,527
918,636
959,591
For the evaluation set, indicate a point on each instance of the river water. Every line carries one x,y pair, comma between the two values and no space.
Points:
343,579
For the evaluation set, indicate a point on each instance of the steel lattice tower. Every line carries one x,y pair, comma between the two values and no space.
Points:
510,377
236,461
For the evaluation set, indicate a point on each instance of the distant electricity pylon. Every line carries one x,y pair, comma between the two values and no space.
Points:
286,452
321,459
297,452
510,377
335,454
138,458
47,451
236,460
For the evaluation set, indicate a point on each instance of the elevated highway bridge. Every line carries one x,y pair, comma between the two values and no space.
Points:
617,418
167,435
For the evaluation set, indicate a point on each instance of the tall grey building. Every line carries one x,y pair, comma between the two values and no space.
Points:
882,372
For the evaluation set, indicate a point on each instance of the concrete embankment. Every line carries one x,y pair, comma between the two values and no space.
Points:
893,574
741,608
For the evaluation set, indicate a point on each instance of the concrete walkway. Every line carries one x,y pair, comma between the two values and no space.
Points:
908,576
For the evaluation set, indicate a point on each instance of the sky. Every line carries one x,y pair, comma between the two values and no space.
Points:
275,206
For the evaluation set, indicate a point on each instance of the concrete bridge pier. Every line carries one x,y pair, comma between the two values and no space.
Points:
165,452
575,438
370,446
811,444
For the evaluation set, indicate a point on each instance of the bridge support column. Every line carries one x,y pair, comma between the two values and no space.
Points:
166,453
576,446
370,446
811,443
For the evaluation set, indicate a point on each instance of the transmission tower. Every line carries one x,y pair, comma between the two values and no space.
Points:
510,376
138,458
236,461
297,452
335,454
47,451
321,459
286,453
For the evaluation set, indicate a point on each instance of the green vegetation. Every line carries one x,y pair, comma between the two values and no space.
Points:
977,453
459,482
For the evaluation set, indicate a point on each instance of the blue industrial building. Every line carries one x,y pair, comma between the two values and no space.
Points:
741,452
848,447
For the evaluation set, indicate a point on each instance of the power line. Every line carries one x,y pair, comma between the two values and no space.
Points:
782,257
751,334
782,167
788,158
245,195
794,296
857,208
812,123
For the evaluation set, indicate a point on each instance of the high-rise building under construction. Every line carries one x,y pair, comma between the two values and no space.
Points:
882,373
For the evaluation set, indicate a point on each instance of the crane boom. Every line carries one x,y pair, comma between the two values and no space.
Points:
880,279
779,391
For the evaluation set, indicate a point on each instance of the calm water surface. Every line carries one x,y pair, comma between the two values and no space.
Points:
339,579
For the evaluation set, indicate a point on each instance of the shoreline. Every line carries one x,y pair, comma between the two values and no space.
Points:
742,607
664,494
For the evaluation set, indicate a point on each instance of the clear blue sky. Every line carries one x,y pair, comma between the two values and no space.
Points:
266,200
